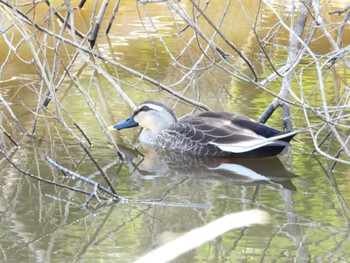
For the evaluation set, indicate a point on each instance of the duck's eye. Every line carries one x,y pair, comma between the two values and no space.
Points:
145,108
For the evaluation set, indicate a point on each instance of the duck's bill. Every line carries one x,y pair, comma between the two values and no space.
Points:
128,123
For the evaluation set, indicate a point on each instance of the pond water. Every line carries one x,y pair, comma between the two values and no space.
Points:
308,204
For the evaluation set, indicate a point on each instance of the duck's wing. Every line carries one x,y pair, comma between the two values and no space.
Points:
228,132
242,122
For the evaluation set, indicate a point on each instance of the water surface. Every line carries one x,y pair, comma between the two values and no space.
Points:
41,222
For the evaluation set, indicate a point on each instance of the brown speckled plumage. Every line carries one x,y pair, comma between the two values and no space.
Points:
219,134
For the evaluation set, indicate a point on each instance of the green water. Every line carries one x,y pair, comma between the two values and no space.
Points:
41,222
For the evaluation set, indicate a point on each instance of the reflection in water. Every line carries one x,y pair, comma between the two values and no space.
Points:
240,171
33,223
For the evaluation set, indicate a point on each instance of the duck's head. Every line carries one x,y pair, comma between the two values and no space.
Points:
151,115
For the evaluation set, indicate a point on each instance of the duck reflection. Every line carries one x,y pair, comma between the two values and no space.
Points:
243,171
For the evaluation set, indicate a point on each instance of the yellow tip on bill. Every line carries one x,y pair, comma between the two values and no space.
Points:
111,128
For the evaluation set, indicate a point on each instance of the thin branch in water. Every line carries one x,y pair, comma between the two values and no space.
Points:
82,133
118,198
104,175
42,179
8,136
84,179
61,200
92,195
7,106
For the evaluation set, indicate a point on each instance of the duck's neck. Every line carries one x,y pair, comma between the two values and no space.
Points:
147,137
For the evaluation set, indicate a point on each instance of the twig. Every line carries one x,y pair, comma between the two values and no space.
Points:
341,30
262,48
336,46
339,11
104,175
287,121
13,116
93,35
294,41
60,17
268,112
229,43
114,63
61,200
42,179
92,195
111,20
81,4
9,136
84,179
158,201
83,133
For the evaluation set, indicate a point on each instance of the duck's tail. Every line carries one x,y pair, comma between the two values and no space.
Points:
288,136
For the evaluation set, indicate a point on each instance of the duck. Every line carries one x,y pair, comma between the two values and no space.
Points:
212,134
